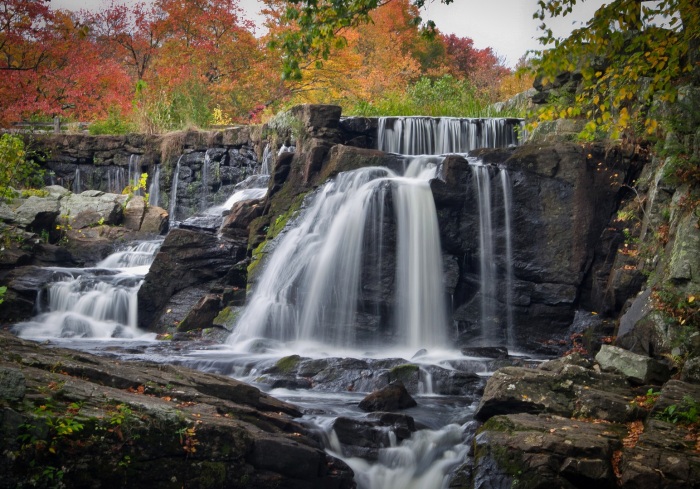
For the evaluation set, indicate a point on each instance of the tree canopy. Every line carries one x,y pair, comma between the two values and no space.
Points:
629,53
166,64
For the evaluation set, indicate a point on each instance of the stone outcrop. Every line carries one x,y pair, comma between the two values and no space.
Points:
563,196
188,266
639,369
85,421
567,424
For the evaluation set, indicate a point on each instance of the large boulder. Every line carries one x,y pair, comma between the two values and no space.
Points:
186,261
390,398
564,387
96,208
639,369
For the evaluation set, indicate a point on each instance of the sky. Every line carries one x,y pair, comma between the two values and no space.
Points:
506,26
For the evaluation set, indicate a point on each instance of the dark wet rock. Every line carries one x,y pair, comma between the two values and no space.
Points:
390,398
485,351
202,315
236,224
147,425
365,437
186,260
691,371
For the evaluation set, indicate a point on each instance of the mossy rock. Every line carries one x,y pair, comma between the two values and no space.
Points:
406,372
287,364
226,317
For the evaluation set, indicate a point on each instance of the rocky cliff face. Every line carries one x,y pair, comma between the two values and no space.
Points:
210,164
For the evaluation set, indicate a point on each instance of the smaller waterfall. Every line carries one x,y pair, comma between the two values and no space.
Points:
508,221
253,187
96,302
429,135
154,188
135,173
116,180
267,160
76,188
173,192
205,181
420,462
487,265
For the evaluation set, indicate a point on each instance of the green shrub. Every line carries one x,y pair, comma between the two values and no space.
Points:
15,169
442,97
115,123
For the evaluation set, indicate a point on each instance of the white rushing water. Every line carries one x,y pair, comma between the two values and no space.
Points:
310,287
154,188
173,192
429,135
99,302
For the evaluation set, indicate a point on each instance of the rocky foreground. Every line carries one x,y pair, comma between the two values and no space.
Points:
70,419
572,424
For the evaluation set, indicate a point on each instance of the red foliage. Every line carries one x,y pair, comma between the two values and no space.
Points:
51,67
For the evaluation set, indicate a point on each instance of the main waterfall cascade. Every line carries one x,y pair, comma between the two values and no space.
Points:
311,285
320,273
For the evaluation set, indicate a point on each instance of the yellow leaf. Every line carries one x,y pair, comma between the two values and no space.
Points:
691,299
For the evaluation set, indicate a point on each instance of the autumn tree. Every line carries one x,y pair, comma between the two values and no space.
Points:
626,60
130,34
49,66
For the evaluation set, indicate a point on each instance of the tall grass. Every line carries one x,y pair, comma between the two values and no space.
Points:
442,97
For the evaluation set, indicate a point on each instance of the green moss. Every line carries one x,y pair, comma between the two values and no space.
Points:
286,365
498,423
226,317
256,258
291,204
404,372
213,474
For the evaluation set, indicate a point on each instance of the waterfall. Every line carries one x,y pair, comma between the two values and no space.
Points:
422,310
428,135
205,180
96,302
508,224
487,264
76,181
154,188
497,321
135,173
310,286
116,180
267,160
173,192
